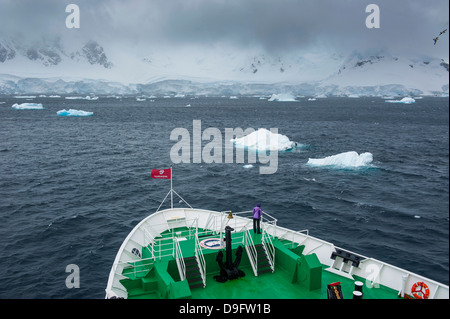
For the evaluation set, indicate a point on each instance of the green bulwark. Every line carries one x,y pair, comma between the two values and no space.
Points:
310,272
306,270
296,276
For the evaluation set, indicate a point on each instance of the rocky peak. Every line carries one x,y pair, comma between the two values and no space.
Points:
51,52
6,52
95,54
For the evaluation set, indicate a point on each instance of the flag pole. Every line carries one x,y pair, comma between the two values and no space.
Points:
171,188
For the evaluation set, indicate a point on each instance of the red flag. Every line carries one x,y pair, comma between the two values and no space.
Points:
162,173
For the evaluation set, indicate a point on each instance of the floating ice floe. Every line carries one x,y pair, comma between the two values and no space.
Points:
405,100
25,96
28,106
344,160
264,140
72,112
89,98
283,97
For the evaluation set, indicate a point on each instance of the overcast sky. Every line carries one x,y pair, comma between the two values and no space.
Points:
275,26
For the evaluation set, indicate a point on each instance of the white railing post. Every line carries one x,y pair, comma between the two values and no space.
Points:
179,258
251,251
201,259
266,241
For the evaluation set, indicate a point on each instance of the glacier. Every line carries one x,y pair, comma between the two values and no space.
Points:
28,106
343,160
75,113
405,100
264,140
87,69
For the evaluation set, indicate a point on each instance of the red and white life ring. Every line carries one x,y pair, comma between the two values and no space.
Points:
420,290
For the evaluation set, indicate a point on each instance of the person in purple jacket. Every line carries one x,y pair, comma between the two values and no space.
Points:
257,213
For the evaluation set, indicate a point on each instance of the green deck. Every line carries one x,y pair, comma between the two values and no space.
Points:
296,276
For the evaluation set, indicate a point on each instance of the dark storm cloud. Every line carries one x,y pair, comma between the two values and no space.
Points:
273,25
292,24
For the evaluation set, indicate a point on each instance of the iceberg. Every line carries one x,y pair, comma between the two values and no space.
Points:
264,140
28,106
282,98
344,160
405,100
72,112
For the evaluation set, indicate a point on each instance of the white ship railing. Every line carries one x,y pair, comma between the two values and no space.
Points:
193,228
180,261
134,264
162,247
251,251
241,221
266,241
292,237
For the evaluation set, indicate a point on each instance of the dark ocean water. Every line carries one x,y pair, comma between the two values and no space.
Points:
71,189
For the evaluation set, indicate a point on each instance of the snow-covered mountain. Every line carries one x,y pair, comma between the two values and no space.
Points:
51,67
52,53
384,74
